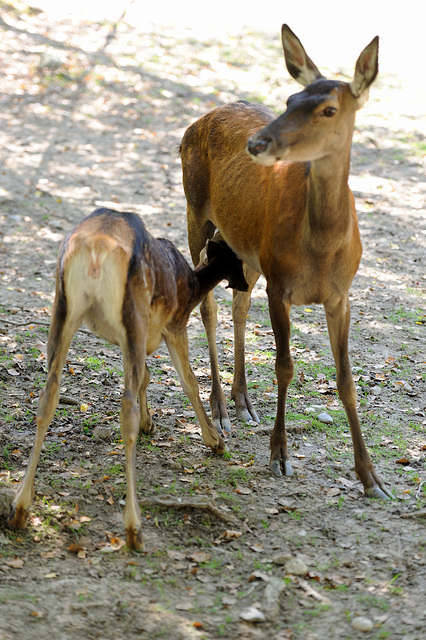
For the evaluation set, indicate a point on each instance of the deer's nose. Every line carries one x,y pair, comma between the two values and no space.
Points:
258,145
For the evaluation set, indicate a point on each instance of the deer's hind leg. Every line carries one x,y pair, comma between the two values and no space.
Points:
240,306
62,328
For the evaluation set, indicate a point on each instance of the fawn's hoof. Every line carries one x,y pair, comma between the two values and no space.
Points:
134,539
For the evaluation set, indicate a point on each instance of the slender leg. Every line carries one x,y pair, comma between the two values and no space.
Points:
146,423
220,417
241,304
338,318
279,311
177,345
134,357
60,336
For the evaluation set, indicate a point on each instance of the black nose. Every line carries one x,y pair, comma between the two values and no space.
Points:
258,145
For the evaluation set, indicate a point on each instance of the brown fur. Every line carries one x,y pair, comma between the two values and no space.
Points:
277,190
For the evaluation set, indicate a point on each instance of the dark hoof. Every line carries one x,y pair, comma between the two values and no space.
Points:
134,539
216,422
18,519
275,467
279,468
288,471
377,493
244,415
220,448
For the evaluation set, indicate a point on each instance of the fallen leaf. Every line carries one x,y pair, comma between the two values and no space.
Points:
16,563
200,556
403,460
229,534
75,548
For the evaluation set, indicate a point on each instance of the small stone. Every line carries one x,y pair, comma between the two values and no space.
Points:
103,433
325,417
362,624
296,567
176,466
252,614
376,390
281,558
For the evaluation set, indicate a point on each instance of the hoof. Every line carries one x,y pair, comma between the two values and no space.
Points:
279,468
134,540
217,423
377,493
220,448
244,415
18,519
288,471
275,467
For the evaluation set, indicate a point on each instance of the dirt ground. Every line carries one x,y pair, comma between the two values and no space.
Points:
92,114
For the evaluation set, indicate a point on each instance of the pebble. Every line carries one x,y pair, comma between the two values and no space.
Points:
103,433
281,558
296,567
252,614
325,417
362,624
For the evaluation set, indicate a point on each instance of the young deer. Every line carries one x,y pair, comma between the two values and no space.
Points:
135,291
277,190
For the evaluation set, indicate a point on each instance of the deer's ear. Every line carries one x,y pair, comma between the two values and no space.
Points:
299,64
366,69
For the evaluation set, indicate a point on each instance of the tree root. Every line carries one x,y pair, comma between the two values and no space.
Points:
203,505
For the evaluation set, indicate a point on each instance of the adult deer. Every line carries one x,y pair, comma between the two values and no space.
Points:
135,291
277,190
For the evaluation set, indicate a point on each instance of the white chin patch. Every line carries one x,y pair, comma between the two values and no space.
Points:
266,160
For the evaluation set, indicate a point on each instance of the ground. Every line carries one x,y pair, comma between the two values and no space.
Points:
92,114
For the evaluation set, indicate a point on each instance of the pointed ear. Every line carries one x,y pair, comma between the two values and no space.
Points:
299,65
366,69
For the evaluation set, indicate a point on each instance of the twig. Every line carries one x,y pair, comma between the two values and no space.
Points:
204,505
39,322
419,489
415,514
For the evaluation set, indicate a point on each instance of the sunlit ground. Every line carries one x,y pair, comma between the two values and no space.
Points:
333,31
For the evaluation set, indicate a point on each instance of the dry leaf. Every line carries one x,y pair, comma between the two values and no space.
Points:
16,563
75,548
229,534
200,556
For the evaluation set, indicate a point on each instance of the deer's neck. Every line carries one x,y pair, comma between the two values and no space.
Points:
328,203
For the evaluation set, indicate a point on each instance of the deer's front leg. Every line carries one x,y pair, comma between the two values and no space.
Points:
338,319
280,317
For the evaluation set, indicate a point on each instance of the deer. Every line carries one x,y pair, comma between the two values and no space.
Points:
276,188
135,291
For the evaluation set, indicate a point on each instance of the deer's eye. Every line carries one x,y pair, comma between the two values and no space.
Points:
329,112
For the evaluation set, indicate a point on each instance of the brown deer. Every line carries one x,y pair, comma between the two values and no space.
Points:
277,190
135,291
